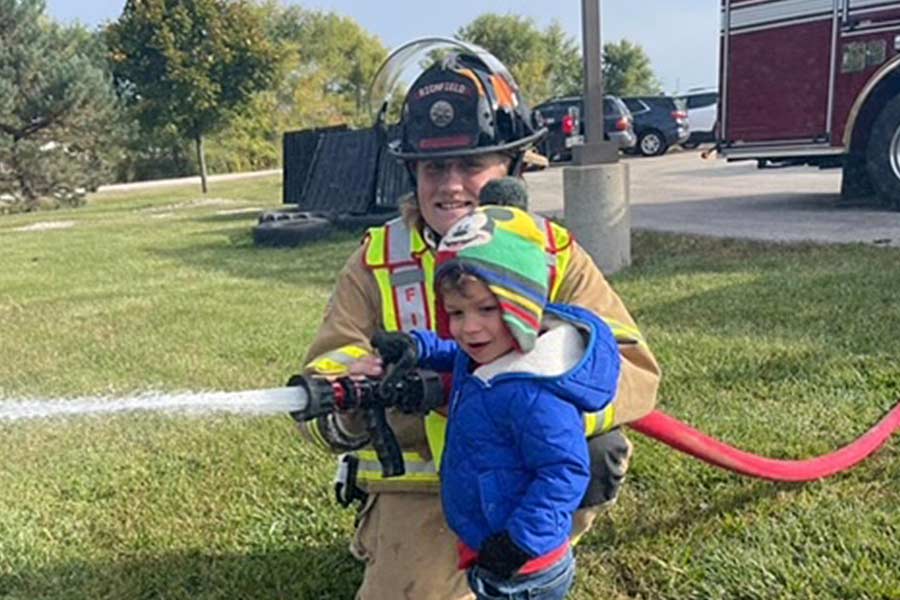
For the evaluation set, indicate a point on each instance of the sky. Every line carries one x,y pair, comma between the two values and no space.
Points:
680,37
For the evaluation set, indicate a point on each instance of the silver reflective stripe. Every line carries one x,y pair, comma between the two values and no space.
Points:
410,299
407,277
398,242
407,281
370,470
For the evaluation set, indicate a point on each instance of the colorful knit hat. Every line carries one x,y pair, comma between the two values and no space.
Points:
503,247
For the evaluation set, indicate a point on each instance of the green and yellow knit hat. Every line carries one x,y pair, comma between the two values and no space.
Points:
503,247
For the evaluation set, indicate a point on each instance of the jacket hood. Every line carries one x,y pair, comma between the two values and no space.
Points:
575,356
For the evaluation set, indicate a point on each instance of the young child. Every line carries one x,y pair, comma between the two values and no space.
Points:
515,465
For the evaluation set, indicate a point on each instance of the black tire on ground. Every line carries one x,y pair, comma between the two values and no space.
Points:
883,154
652,143
291,232
690,145
856,185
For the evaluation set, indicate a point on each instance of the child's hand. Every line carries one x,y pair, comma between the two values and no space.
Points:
368,366
501,556
396,348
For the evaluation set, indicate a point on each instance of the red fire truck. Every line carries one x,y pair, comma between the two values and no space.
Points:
814,82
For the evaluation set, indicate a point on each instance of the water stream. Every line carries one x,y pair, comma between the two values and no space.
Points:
247,402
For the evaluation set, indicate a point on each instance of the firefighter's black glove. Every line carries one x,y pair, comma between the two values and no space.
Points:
501,556
396,348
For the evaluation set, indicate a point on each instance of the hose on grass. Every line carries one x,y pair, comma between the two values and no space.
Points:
683,437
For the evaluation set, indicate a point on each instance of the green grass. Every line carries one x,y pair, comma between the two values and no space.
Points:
785,350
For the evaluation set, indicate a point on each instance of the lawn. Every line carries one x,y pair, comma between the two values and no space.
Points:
785,350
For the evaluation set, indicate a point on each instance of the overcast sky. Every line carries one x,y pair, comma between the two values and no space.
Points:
681,37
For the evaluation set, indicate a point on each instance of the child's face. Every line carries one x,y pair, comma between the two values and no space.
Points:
476,323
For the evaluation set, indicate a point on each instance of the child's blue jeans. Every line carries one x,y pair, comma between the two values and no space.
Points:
550,584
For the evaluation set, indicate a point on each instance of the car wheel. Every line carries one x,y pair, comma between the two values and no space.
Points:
690,145
883,154
652,143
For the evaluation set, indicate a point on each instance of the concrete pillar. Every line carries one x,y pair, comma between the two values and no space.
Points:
596,208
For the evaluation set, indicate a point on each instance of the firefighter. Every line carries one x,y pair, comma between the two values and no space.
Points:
463,123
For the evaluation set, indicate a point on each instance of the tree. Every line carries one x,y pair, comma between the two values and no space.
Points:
627,70
331,63
189,64
58,111
544,63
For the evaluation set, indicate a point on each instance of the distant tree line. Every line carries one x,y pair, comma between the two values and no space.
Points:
185,87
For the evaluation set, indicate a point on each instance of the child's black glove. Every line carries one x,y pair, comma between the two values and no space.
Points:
501,556
396,348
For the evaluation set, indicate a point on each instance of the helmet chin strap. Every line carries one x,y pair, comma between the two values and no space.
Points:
515,166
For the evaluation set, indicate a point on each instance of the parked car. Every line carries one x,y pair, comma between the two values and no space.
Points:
564,118
702,106
658,123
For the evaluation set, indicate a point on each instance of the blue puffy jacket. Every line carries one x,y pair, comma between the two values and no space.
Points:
516,457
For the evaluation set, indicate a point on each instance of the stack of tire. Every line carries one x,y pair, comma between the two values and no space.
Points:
292,227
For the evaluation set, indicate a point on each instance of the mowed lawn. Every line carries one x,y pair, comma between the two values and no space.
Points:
786,350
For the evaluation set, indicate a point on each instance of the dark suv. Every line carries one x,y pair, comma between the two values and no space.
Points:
563,117
658,123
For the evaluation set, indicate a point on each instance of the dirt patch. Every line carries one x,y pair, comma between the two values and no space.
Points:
46,226
239,211
198,203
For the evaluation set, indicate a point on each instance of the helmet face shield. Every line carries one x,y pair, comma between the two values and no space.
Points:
455,99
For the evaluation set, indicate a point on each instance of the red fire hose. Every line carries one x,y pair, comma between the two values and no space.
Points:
685,438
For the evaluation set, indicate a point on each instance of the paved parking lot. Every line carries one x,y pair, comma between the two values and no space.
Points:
681,192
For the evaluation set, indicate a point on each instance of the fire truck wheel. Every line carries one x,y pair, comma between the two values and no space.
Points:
652,143
883,154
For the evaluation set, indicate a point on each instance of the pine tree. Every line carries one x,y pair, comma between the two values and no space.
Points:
58,110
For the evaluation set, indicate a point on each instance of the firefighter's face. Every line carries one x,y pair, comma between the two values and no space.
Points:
447,189
476,321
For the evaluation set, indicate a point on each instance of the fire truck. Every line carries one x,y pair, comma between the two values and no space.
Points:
814,82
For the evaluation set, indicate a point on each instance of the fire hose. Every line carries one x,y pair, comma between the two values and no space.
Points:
419,391
684,438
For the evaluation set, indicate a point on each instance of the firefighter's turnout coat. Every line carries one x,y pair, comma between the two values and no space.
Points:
388,284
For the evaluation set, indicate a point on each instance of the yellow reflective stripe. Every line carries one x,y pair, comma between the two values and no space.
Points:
416,242
625,333
561,234
517,298
313,428
592,420
563,257
388,314
338,361
412,457
590,423
417,469
375,251
608,417
436,434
